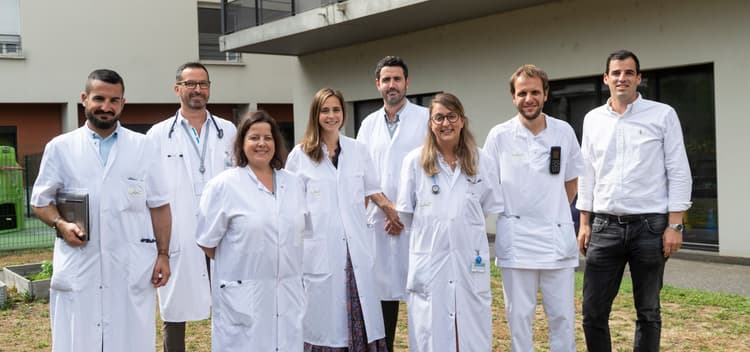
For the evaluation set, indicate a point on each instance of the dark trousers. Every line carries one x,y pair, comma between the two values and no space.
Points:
174,336
390,319
637,241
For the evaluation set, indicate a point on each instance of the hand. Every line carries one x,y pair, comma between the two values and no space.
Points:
161,273
71,233
393,225
584,236
672,241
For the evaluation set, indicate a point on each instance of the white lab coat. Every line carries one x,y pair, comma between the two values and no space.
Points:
101,295
536,230
258,298
447,233
391,252
336,201
187,295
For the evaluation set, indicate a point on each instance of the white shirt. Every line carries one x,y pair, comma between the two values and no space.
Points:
335,198
391,252
536,230
258,299
634,163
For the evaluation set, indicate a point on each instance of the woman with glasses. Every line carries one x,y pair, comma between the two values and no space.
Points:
448,186
251,222
343,311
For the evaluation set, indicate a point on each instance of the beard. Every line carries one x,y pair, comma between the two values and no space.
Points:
393,100
102,124
196,104
534,114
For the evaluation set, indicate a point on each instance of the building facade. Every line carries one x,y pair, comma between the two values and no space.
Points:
694,56
47,48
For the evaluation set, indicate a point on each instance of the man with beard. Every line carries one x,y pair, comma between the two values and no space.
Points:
102,292
194,146
539,162
390,133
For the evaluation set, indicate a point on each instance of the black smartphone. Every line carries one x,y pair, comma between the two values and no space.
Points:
554,160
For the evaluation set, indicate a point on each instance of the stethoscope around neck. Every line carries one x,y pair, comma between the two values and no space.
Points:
219,131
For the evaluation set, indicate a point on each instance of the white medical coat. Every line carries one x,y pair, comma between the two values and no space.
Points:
336,202
536,231
391,252
101,295
187,295
447,233
258,299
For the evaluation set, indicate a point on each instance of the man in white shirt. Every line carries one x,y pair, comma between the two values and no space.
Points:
539,162
632,194
390,133
194,146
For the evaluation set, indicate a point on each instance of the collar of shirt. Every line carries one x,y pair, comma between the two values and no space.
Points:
182,120
398,114
335,161
255,179
519,130
631,108
105,144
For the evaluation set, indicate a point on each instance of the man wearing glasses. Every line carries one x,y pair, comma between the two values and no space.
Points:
539,161
194,146
390,133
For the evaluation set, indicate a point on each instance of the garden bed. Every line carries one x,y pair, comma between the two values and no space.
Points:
17,276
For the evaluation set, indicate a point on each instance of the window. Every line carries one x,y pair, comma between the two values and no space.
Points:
10,28
690,91
209,30
363,108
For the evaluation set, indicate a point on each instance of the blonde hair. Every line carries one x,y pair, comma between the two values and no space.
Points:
311,142
466,150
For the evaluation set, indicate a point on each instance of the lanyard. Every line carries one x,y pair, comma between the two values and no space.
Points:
201,155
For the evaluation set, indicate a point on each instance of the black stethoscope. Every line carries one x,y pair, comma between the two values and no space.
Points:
219,131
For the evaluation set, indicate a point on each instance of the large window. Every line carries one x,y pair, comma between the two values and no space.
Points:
10,28
690,91
209,31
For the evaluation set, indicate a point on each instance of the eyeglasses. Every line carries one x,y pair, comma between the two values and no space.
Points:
451,116
193,84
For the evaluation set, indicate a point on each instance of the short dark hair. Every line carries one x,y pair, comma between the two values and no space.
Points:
391,61
183,67
623,54
279,155
104,75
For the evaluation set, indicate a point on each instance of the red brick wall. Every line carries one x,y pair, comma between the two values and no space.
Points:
36,124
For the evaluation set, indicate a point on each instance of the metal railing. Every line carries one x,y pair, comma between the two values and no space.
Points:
10,45
237,15
19,228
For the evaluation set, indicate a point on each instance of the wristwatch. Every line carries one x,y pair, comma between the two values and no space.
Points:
677,227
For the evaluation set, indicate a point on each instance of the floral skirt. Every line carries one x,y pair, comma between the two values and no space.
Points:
356,322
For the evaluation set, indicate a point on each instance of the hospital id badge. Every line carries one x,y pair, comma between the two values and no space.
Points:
198,188
478,266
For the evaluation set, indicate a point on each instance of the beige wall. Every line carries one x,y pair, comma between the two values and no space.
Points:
568,39
143,40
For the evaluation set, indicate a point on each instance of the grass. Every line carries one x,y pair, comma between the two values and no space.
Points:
692,320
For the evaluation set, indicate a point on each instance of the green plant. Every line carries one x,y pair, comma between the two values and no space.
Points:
45,274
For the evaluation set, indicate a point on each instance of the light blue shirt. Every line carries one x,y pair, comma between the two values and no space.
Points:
105,145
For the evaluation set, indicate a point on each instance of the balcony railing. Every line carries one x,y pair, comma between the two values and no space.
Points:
237,15
10,45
